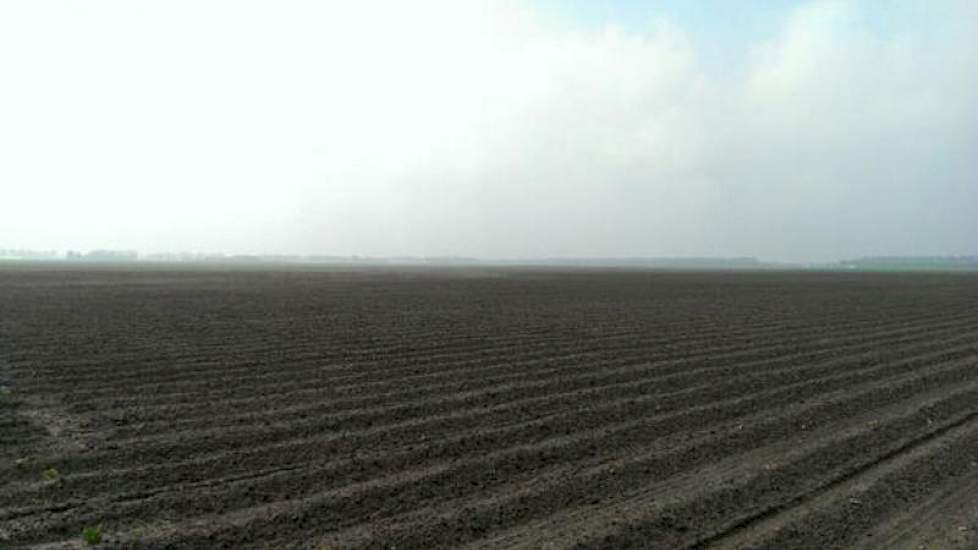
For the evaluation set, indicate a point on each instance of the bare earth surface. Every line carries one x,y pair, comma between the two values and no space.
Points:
487,408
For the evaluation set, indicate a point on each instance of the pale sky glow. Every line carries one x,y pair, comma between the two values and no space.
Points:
813,130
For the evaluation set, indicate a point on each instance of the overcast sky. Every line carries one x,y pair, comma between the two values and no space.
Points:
784,130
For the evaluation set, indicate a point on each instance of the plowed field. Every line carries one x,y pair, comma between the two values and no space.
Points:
487,408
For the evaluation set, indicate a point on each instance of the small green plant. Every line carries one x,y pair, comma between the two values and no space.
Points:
92,534
52,476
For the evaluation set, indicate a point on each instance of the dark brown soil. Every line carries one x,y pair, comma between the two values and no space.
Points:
417,408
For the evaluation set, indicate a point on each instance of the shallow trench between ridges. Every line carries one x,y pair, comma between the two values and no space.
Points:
892,456
452,412
940,515
323,383
115,474
195,464
963,397
493,385
831,504
425,469
564,469
590,522
702,356
200,360
302,375
226,370
356,367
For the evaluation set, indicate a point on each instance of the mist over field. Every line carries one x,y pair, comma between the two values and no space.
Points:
809,130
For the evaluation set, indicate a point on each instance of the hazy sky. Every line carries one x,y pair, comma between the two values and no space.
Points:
784,130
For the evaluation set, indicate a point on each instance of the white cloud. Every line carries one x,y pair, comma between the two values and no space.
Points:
480,128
